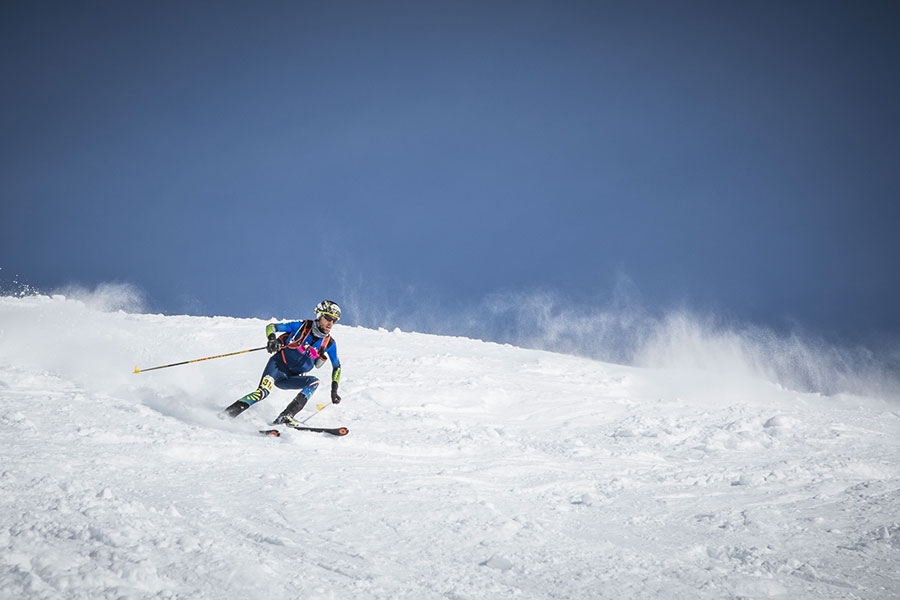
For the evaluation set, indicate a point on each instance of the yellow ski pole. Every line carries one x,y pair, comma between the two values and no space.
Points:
319,408
187,362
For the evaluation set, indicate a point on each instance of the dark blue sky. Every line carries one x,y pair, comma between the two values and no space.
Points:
251,158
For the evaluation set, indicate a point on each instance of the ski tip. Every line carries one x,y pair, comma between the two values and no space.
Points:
270,432
343,431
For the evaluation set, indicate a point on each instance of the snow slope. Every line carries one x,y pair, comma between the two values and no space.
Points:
472,471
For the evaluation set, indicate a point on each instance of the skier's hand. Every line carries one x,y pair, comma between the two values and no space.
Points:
274,345
335,397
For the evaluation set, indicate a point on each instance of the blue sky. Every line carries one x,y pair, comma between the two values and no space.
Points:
413,159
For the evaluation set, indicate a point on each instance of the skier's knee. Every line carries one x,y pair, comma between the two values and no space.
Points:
310,389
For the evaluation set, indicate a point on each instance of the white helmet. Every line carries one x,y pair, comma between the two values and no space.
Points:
329,308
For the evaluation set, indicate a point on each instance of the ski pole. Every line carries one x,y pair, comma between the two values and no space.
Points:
319,408
187,362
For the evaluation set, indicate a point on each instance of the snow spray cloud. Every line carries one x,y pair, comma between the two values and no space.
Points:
547,321
69,334
797,360
13,287
108,297
624,332
406,307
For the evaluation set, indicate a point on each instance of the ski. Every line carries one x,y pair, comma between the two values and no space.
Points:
329,430
338,431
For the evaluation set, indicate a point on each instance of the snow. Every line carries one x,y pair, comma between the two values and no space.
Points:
472,470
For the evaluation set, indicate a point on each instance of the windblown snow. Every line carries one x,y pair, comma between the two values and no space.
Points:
472,470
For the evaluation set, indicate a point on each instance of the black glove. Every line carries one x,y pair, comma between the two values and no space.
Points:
335,398
274,344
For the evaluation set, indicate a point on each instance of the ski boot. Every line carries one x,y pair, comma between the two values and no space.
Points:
235,409
287,415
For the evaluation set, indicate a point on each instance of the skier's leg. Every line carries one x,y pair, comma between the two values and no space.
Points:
271,375
307,385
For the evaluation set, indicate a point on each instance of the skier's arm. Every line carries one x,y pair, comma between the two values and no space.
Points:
276,343
289,327
331,351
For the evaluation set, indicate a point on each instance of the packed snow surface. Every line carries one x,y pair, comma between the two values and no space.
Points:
472,471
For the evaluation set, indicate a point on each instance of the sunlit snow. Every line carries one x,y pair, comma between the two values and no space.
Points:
472,470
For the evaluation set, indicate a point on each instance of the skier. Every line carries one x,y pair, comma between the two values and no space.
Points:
301,346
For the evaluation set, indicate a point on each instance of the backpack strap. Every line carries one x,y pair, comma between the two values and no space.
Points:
304,331
300,335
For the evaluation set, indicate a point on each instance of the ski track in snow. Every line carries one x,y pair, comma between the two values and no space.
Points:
472,471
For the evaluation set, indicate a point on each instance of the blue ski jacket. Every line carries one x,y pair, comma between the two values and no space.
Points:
303,350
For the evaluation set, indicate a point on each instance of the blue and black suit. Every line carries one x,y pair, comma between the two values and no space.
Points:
304,346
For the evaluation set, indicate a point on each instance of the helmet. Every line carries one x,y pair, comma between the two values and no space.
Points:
327,307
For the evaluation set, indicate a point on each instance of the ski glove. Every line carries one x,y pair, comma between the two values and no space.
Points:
335,398
274,344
